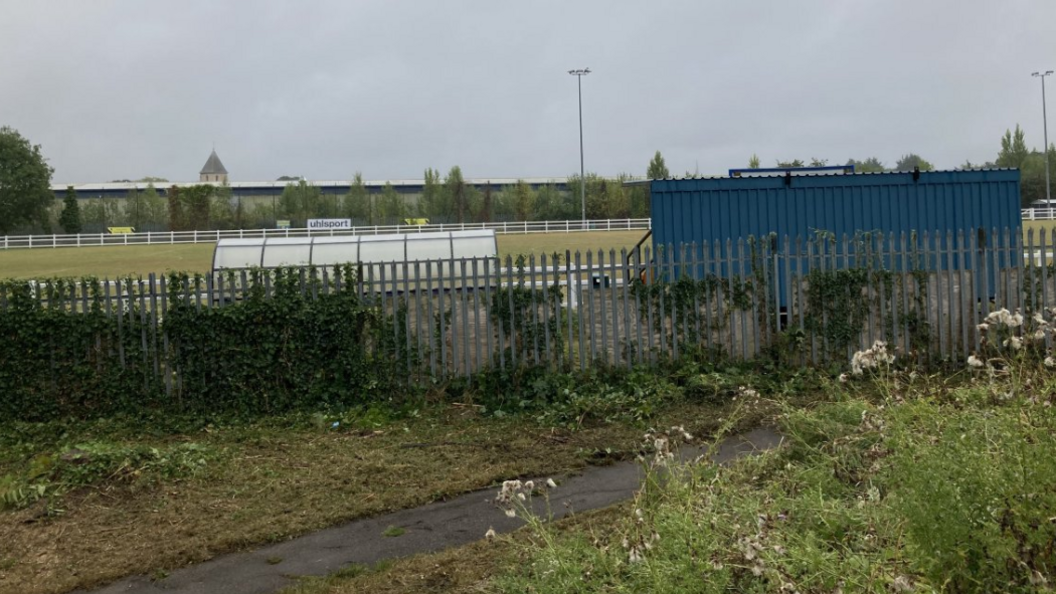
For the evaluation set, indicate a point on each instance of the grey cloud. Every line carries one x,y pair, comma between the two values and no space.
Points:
116,89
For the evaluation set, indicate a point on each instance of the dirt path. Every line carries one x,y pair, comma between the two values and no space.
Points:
426,529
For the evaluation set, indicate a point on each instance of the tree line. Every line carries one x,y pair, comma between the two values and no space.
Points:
1013,154
446,199
27,202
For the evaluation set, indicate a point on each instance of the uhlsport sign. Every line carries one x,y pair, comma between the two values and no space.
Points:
327,224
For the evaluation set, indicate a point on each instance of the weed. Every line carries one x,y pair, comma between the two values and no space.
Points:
887,488
99,464
393,531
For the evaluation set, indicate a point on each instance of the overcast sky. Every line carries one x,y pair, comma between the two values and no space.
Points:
126,89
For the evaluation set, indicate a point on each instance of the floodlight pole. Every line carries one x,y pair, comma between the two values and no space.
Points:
579,74
1045,123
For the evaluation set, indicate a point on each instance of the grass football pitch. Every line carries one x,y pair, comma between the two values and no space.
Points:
113,261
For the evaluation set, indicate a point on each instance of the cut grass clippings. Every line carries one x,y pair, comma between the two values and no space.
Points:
117,261
271,480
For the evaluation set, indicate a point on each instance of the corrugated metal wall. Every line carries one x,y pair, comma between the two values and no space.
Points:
696,210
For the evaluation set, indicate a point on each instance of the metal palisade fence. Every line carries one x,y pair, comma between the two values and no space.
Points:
815,299
174,237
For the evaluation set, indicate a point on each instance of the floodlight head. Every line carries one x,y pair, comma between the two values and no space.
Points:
580,72
1042,74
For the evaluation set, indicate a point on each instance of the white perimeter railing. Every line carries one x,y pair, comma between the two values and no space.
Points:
173,237
1038,214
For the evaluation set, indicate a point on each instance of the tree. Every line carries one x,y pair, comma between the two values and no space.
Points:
224,213
431,203
288,178
487,211
596,197
753,162
103,213
390,205
870,165
456,191
639,199
152,180
198,203
70,219
473,200
523,201
791,164
657,168
358,201
985,165
155,207
135,208
177,220
1014,150
911,161
300,201
617,202
25,182
551,204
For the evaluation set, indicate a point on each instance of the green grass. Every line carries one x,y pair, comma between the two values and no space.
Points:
115,261
393,531
108,261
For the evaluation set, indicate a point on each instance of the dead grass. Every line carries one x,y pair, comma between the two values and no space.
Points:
273,481
115,261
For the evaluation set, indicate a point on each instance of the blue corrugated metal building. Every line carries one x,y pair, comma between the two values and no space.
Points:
710,209
719,212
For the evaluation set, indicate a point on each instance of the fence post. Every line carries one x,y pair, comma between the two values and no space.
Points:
30,241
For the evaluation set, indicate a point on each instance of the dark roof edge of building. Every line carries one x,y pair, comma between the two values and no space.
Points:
857,173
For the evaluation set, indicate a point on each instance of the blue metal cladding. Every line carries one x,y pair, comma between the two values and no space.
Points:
939,205
697,210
